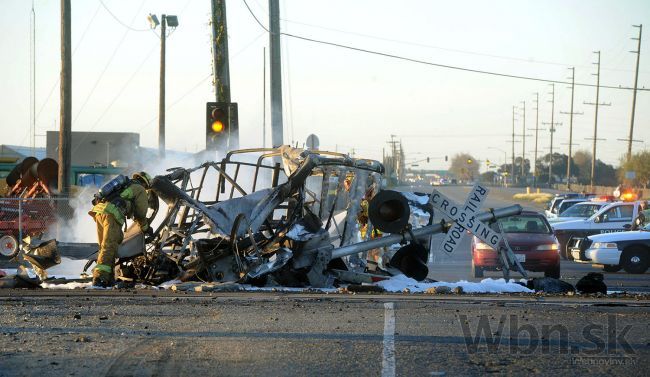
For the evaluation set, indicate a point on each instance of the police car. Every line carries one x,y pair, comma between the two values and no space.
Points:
627,250
580,211
615,217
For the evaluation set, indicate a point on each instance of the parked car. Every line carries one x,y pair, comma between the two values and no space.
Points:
580,211
613,251
552,208
615,217
531,238
563,206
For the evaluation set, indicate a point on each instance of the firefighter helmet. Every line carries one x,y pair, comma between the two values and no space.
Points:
143,178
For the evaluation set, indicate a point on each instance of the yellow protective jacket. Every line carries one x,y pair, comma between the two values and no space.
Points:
137,203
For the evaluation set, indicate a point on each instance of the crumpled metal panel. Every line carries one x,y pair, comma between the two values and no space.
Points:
223,214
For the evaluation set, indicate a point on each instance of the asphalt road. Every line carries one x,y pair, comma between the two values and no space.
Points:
453,267
148,333
164,333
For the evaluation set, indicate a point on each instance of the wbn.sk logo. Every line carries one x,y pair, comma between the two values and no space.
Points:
594,339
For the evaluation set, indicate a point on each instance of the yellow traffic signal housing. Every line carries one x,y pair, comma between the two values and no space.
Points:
220,125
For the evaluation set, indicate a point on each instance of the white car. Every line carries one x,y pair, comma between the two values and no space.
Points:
562,207
615,217
627,250
580,211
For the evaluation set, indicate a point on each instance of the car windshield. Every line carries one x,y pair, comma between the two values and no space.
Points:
581,210
566,204
524,224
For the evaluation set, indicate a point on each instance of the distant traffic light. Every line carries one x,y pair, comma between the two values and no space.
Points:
446,158
220,125
428,159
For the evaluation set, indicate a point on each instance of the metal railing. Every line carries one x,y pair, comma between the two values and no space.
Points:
43,217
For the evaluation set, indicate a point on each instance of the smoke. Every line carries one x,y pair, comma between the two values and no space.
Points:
76,225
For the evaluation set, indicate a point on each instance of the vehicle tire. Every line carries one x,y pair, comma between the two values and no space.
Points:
635,260
566,254
8,247
553,272
612,267
563,242
477,271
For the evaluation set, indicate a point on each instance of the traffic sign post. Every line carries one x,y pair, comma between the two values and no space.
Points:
464,220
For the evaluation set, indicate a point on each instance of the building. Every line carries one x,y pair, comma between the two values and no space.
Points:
117,149
15,153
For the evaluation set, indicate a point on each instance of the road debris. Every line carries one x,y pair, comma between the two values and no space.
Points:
592,283
275,217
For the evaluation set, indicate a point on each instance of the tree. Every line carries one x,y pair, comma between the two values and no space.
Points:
464,166
488,177
582,159
640,164
559,168
604,174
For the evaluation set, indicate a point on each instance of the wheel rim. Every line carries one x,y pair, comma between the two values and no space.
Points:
635,259
7,246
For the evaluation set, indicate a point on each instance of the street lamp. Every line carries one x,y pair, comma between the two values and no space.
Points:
172,22
505,158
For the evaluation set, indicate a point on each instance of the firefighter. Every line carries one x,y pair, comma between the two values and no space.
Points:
129,201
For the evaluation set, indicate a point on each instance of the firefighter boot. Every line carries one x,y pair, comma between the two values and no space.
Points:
109,234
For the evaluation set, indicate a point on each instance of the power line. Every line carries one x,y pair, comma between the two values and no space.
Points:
412,60
201,81
513,58
453,67
108,64
120,21
56,83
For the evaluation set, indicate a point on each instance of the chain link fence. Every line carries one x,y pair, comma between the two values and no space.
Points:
35,217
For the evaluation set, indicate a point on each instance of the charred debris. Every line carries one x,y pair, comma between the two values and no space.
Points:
282,216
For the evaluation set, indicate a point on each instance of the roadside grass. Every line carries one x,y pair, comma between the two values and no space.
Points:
537,198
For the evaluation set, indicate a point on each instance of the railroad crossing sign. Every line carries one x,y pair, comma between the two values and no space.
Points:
464,220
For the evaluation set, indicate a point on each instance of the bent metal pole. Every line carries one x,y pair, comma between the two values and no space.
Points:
419,232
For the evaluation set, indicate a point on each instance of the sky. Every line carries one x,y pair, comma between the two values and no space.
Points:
352,100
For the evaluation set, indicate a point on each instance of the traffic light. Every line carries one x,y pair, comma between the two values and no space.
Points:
428,159
221,126
446,158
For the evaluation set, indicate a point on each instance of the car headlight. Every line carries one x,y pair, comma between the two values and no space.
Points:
483,246
604,245
551,246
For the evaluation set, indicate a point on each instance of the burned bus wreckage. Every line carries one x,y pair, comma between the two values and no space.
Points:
283,216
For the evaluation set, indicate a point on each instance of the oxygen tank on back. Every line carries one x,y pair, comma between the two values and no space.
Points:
114,186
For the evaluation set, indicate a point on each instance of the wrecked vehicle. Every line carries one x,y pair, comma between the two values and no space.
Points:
27,209
282,216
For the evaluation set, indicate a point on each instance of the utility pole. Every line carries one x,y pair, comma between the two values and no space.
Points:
277,137
571,113
32,80
551,130
523,141
221,67
537,129
161,101
595,138
65,128
513,145
171,21
264,98
636,80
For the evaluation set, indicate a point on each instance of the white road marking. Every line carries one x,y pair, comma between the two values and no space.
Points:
388,356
